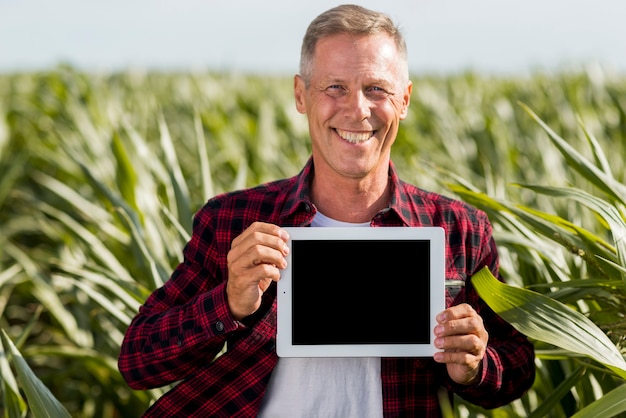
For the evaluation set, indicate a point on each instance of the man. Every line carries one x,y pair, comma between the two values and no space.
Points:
354,89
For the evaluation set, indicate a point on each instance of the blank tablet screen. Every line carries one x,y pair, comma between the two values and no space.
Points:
355,292
360,292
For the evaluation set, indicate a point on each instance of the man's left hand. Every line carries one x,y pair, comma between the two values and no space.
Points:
461,335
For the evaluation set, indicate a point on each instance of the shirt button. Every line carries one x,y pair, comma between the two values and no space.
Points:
219,326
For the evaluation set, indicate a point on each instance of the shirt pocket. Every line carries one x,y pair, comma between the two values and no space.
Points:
455,288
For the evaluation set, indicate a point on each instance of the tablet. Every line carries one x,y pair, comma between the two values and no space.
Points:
361,292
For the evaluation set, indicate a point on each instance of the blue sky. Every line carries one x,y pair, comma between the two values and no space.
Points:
443,36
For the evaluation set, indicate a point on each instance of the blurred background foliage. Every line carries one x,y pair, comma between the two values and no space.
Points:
100,175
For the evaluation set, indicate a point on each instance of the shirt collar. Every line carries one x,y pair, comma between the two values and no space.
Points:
397,204
300,195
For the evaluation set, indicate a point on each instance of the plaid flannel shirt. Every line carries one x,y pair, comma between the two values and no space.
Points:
183,325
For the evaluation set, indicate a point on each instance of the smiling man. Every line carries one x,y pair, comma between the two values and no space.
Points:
355,92
354,89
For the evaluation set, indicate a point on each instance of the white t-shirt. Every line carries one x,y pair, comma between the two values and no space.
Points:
325,387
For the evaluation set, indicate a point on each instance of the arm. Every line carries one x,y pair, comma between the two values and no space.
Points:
491,370
175,331
489,363
184,324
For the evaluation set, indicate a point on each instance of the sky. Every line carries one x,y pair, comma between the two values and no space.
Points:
263,36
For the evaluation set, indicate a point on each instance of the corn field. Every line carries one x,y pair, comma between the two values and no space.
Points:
100,175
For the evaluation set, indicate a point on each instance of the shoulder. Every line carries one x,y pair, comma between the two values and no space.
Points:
271,191
237,209
443,210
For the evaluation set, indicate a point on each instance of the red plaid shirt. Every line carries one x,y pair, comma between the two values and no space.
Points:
183,325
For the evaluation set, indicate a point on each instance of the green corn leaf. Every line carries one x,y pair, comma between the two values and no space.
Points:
609,213
559,229
600,159
552,400
101,186
41,401
48,297
9,273
91,211
157,275
542,318
130,296
14,403
126,176
102,300
203,159
98,248
591,172
609,405
183,200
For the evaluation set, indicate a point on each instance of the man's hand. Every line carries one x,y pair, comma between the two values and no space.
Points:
461,334
254,261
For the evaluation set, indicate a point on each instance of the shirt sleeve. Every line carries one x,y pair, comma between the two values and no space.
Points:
183,324
508,368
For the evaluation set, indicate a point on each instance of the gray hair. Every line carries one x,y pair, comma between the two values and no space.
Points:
347,19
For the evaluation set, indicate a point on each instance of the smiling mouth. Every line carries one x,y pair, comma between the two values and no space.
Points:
355,137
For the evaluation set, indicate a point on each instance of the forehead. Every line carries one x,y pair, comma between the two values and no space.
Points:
380,46
353,56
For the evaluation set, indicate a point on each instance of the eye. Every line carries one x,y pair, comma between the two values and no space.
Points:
335,90
377,92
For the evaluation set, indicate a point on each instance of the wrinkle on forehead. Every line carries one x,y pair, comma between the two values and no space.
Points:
382,66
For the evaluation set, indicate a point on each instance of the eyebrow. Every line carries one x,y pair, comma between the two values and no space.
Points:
383,82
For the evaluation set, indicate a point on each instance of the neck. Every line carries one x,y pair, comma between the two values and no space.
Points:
351,200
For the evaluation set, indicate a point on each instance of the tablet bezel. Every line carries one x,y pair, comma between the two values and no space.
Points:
436,238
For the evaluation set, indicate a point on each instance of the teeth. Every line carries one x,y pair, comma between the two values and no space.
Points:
355,137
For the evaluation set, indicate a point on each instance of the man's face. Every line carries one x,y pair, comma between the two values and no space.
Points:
357,95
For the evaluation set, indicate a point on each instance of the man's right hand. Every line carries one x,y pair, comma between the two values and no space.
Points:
254,261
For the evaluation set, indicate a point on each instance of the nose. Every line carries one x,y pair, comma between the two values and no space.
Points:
358,106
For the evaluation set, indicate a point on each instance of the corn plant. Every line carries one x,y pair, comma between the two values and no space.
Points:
100,175
577,316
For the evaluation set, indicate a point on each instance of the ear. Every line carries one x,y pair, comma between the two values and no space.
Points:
299,90
406,99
